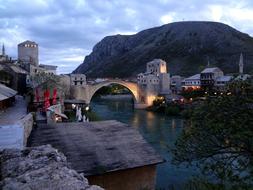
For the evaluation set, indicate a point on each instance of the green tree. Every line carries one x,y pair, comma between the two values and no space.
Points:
219,136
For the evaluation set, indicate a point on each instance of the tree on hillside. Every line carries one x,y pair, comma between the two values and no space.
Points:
219,136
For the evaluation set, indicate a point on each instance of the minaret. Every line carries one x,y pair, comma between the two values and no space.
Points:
3,50
241,65
208,62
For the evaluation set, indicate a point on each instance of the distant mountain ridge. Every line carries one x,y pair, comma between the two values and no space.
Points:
185,46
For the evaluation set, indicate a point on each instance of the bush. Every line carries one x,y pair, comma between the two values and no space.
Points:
172,110
219,137
92,116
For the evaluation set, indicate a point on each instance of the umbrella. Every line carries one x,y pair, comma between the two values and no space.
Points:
46,99
54,96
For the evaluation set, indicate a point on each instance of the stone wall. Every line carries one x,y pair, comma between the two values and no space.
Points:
141,178
27,125
15,135
80,92
39,168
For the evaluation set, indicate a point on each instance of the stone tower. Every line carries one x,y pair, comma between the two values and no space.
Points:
28,52
241,64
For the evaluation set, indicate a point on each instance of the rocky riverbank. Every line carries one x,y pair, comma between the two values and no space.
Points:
39,168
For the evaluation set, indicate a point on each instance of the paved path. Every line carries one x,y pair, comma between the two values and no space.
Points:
11,134
14,113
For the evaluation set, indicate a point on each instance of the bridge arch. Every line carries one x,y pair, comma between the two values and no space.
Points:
132,87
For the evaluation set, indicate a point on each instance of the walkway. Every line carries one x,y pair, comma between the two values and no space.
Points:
14,113
11,134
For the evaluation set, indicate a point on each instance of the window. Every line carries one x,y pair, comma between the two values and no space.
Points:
75,82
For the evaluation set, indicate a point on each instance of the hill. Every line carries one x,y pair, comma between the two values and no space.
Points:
185,46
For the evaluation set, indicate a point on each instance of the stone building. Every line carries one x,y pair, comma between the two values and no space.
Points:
28,57
176,84
13,76
7,97
50,69
78,79
208,77
155,80
28,52
112,155
222,82
191,83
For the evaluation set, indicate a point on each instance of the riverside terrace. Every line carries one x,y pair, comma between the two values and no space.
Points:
111,154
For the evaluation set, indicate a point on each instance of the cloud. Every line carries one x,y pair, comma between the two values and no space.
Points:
165,19
66,31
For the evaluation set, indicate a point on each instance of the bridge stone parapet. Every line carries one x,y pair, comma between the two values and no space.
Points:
141,98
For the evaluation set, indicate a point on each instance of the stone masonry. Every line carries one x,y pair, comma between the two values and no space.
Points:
39,168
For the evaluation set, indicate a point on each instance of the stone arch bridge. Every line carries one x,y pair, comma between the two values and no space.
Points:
141,98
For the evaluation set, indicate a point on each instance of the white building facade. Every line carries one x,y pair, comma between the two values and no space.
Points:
155,81
191,83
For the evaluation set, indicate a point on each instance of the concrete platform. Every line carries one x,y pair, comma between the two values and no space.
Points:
97,147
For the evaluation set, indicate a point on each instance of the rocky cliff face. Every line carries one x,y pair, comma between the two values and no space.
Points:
39,168
185,46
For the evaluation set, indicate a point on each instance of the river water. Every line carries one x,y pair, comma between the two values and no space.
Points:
159,130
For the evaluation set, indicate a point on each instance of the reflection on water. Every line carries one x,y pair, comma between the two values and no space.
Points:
160,131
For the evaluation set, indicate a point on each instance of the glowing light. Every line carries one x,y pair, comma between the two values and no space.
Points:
150,99
87,108
73,106
57,119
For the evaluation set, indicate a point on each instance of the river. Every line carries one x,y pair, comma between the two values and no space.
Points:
159,130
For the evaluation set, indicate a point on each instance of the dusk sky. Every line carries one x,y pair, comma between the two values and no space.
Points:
67,30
